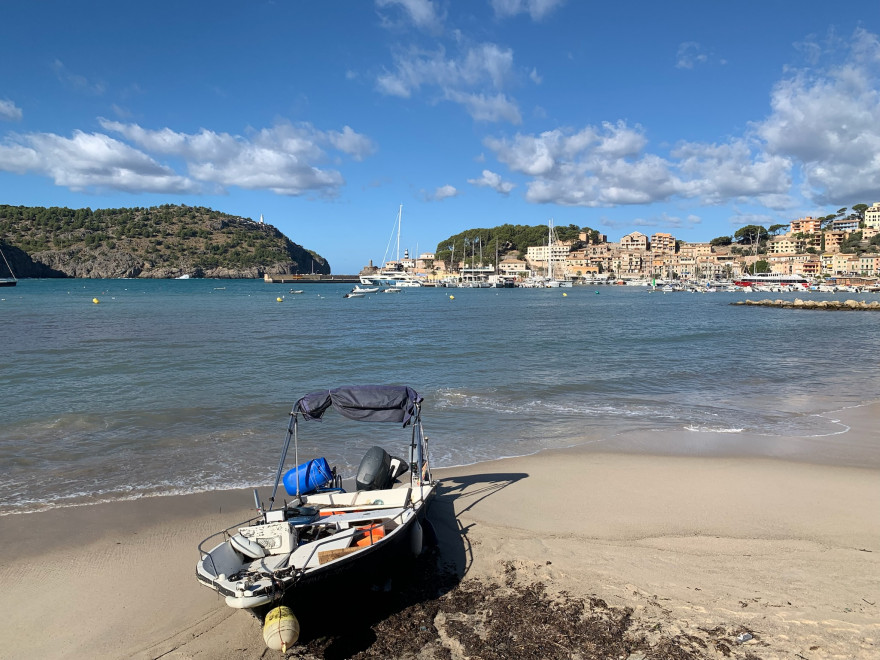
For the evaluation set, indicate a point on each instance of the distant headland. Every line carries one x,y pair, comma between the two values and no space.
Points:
165,241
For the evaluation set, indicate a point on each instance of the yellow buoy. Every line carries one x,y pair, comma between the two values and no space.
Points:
281,629
279,299
95,300
452,297
564,295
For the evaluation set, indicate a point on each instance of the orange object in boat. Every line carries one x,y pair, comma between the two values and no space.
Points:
371,535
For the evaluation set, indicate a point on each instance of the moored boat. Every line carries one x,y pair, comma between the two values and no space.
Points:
767,279
325,532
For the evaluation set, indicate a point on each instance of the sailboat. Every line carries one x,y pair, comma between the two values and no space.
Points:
553,282
394,276
8,281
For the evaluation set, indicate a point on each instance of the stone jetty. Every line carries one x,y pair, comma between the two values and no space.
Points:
827,305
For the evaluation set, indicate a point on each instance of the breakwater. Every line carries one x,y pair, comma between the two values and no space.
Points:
826,305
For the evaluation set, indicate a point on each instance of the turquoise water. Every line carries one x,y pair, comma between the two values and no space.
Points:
173,386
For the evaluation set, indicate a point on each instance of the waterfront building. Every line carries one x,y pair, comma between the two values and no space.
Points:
869,264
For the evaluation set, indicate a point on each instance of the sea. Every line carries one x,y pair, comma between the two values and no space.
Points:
122,389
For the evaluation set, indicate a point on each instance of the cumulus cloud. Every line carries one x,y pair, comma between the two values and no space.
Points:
537,9
89,161
475,80
492,180
823,130
9,111
284,159
828,120
443,192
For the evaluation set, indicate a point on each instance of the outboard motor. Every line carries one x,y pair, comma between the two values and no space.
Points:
374,472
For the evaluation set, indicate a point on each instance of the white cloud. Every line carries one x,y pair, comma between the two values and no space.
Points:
690,53
537,9
828,120
284,159
444,192
492,180
9,111
90,161
422,13
824,130
462,80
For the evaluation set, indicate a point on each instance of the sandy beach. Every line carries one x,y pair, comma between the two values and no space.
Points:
700,548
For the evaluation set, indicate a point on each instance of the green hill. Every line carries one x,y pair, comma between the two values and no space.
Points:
506,238
158,242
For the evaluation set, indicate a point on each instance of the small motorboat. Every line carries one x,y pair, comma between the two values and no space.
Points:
392,289
365,289
353,294
296,291
326,532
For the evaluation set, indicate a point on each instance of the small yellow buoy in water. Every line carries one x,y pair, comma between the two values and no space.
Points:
95,300
279,299
452,297
281,629
564,295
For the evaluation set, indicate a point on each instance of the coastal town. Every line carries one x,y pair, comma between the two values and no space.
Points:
841,250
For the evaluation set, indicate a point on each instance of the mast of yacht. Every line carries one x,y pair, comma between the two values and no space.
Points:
550,250
399,214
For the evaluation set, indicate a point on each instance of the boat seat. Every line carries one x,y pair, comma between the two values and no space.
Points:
364,499
306,556
360,517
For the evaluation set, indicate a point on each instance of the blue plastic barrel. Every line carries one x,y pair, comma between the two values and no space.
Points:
311,476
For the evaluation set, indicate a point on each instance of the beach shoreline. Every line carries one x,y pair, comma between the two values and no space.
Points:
788,550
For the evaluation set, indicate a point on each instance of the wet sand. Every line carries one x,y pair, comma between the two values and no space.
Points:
700,548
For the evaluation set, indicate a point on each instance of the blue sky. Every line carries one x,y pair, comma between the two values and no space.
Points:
689,117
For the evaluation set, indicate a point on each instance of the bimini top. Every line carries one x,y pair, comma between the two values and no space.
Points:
363,403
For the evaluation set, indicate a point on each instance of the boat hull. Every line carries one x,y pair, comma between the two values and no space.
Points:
367,564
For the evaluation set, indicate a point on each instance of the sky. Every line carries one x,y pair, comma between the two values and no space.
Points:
692,117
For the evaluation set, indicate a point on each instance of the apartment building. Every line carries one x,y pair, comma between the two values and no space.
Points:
661,242
845,224
634,241
807,225
695,250
787,244
872,216
833,239
542,253
869,264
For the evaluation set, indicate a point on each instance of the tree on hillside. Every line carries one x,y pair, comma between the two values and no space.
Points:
721,241
860,209
750,234
775,229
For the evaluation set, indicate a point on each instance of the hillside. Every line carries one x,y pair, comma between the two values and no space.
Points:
507,238
158,242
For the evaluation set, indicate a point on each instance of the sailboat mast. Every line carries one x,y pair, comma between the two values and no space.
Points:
399,214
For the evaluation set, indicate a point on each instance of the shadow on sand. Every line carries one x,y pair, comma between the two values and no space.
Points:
363,617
